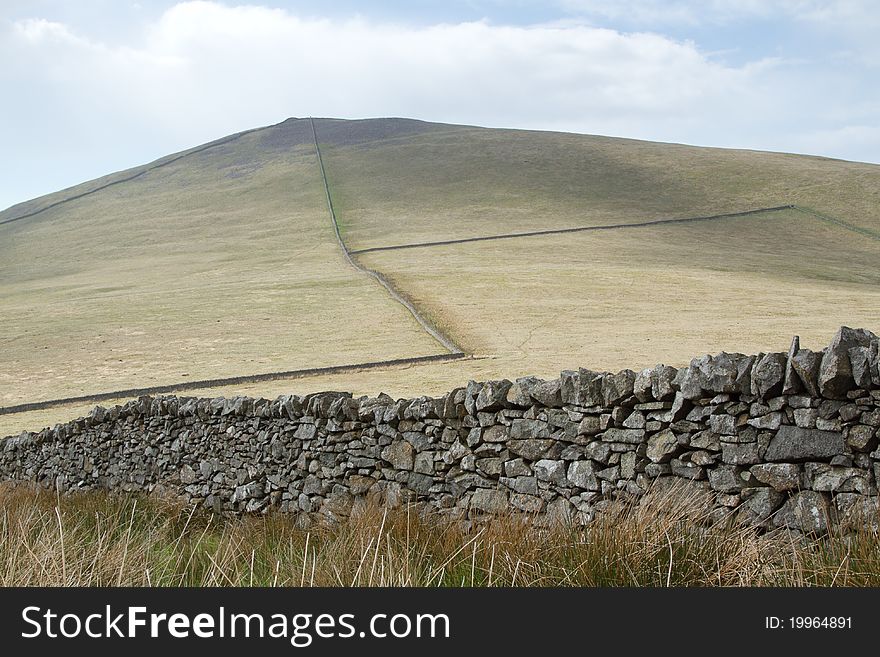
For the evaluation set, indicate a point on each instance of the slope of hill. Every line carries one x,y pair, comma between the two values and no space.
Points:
215,265
222,261
464,182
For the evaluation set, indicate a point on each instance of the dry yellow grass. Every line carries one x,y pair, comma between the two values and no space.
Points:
99,540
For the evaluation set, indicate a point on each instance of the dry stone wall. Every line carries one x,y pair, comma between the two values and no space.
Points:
779,439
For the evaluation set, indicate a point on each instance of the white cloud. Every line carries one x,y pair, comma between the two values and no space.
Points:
725,11
246,61
689,12
203,70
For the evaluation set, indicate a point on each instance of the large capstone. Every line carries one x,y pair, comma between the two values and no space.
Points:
582,388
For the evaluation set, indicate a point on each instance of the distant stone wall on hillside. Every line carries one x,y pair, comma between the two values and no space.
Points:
779,439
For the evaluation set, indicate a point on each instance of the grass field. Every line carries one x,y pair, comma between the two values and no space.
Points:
635,297
224,263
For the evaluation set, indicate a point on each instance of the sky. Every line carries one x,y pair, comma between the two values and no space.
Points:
94,86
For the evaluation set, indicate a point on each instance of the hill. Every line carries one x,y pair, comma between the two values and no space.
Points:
222,261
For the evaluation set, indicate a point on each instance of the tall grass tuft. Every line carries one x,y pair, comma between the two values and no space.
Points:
101,539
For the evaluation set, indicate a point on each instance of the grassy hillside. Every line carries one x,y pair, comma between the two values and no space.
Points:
222,261
219,264
466,182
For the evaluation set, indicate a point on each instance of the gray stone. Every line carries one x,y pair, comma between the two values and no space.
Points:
550,470
799,401
635,420
581,388
862,438
642,386
188,475
805,418
792,382
805,364
530,389
611,474
519,392
871,418
598,451
399,454
849,412
723,424
828,425
762,501
583,475
630,436
829,408
686,469
253,490
455,453
780,476
527,503
424,463
489,500
521,429
657,469
768,375
516,468
835,371
727,479
680,409
589,426
548,393
525,485
497,433
864,362
796,444
687,381
771,421
617,387
493,395
491,466
721,374
420,483
740,454
662,447
530,449
835,479
706,440
807,511
359,484
701,457
662,377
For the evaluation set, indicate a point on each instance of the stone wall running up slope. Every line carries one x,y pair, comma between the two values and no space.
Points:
780,439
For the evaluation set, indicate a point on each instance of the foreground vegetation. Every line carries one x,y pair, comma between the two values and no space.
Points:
101,539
